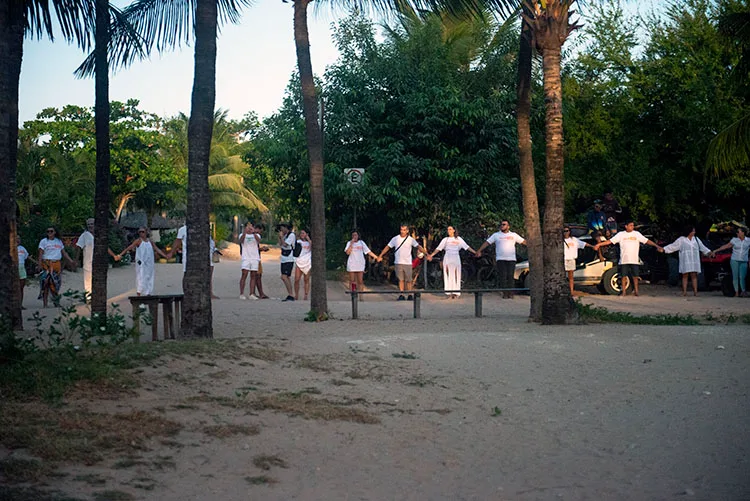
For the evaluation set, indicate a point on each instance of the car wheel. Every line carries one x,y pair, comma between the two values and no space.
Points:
611,282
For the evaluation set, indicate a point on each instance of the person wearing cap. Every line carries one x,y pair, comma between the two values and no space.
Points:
612,210
596,218
287,239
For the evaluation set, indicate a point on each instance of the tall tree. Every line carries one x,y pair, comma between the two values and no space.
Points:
550,24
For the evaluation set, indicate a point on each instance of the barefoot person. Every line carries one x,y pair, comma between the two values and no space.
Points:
740,246
451,244
51,253
287,240
402,245
572,244
630,245
505,255
303,263
357,249
250,251
690,248
144,261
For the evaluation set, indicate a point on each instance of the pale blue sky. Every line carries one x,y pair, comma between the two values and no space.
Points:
254,63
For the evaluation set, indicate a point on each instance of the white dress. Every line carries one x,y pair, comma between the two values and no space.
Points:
452,263
144,268
690,253
304,260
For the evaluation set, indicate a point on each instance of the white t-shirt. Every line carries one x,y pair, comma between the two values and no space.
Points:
403,254
23,254
289,242
86,242
630,244
182,235
572,244
250,250
52,249
505,245
740,248
356,261
451,245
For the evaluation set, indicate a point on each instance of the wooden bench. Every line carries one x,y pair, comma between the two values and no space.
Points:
478,294
171,317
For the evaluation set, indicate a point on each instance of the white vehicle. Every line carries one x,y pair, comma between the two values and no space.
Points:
603,274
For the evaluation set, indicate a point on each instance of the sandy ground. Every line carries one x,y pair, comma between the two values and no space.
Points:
481,409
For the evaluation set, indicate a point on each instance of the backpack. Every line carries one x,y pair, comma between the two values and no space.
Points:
297,249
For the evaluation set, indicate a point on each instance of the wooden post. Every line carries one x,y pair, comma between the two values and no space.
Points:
478,304
168,318
177,314
153,308
355,306
417,305
136,319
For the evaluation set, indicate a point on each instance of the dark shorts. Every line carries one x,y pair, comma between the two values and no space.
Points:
505,272
629,270
286,269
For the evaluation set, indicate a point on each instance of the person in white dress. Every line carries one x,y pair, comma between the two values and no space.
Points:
740,246
451,245
249,250
144,262
690,248
357,249
572,244
303,263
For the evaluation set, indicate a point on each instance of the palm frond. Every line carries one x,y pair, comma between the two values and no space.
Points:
386,8
74,17
231,187
729,151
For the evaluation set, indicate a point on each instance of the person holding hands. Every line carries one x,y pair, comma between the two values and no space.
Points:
740,246
505,255
451,261
357,249
402,245
572,244
144,261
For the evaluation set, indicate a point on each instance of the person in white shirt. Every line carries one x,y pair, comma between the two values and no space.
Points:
144,261
740,246
572,244
402,245
451,261
630,245
259,227
85,243
287,239
505,255
23,255
357,249
51,252
303,264
690,248
250,252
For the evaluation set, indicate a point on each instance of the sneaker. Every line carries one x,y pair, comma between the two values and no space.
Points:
401,298
253,297
409,298
289,298
243,297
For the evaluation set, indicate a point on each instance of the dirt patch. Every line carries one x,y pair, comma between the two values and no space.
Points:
228,430
308,407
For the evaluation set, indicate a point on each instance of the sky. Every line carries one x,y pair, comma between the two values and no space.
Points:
255,60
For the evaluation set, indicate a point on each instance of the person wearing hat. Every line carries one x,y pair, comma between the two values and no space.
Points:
596,218
287,240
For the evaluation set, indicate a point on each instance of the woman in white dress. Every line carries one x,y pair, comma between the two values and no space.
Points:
690,248
357,249
451,261
144,262
304,263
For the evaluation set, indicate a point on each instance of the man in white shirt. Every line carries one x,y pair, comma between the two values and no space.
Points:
505,255
287,239
403,244
86,243
630,245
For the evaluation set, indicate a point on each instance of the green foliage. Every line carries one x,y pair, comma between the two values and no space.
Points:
595,314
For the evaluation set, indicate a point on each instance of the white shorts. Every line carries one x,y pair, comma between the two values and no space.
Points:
570,265
250,264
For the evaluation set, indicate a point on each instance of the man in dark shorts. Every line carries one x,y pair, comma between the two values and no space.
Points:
630,244
287,239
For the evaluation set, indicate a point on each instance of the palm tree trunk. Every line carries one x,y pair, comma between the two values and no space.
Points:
197,318
11,54
528,181
557,300
102,192
318,296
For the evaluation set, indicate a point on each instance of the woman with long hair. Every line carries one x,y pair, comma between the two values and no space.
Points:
144,261
451,244
740,246
690,248
51,253
303,263
357,249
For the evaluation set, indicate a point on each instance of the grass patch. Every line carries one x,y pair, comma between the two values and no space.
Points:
8,493
78,436
91,479
407,356
309,407
314,363
18,471
229,430
341,382
266,462
113,496
261,480
130,462
596,314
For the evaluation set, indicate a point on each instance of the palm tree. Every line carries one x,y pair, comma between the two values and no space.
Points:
550,26
19,18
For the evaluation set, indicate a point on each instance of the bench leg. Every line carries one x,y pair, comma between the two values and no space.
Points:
177,316
136,308
154,310
417,305
355,306
478,304
168,321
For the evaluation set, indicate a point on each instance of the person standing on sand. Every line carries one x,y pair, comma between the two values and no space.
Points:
86,244
287,239
357,249
690,248
740,246
51,253
451,244
403,244
630,245
144,261
303,263
505,255
250,251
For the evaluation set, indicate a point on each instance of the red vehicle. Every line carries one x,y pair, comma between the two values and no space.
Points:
717,270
